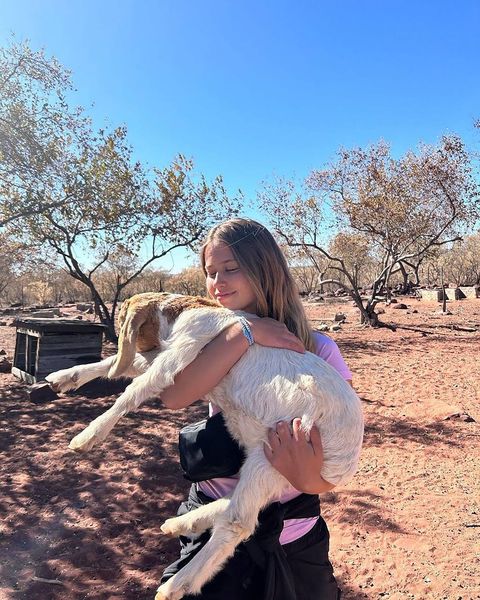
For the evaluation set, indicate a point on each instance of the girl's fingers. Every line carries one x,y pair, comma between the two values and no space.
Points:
268,332
273,439
283,431
298,432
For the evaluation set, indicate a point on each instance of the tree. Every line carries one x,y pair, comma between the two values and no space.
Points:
461,262
82,195
357,255
12,258
36,131
404,207
117,212
150,280
304,271
190,281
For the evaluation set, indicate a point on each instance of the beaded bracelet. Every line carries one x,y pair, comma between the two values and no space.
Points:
247,332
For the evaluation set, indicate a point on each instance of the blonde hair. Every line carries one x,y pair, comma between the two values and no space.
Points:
266,269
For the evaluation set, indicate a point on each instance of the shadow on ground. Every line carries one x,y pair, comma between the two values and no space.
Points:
88,523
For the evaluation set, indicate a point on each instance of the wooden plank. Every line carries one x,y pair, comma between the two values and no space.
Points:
57,364
45,326
23,375
75,338
70,348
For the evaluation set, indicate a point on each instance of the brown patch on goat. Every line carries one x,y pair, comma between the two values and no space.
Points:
182,303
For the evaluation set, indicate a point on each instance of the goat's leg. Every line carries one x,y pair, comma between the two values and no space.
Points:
75,377
259,483
150,384
196,521
135,394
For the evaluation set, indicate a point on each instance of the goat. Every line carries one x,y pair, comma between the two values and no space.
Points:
265,386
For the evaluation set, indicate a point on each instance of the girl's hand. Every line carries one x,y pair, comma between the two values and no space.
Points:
271,333
297,459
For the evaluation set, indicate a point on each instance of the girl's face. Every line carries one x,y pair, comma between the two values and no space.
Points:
225,280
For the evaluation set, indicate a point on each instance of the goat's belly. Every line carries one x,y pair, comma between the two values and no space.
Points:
274,385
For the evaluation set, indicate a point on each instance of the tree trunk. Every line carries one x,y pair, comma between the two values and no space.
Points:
405,279
368,316
416,271
106,318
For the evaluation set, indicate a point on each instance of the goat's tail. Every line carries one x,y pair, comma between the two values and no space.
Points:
127,340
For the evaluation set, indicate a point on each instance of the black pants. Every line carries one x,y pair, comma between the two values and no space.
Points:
310,572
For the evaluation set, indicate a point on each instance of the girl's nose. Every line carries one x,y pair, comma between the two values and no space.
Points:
219,279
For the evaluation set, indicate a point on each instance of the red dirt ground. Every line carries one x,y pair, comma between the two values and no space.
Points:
406,528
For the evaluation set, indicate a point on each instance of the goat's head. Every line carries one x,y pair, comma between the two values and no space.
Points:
147,319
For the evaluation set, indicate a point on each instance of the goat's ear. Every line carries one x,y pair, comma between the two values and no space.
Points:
127,341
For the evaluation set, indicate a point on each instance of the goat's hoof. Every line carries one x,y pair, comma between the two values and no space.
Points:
62,381
183,525
165,592
169,527
83,442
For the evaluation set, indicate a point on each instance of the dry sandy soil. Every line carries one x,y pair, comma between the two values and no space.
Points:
406,527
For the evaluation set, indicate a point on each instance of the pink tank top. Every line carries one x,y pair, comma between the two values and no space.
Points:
293,529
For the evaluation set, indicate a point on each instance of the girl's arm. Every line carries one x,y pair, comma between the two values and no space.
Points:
219,356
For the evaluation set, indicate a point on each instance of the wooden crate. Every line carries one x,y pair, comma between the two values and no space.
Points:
47,345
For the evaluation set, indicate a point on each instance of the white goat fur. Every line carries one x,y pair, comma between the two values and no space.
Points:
266,385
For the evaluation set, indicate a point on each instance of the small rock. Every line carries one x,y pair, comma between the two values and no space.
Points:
2,352
84,307
400,306
460,417
3,323
5,365
393,301
41,392
339,317
335,328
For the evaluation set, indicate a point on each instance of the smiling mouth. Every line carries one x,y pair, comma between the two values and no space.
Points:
223,295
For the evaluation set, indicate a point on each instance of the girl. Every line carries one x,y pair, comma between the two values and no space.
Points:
287,557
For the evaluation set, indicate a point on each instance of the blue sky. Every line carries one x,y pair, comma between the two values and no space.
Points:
255,88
